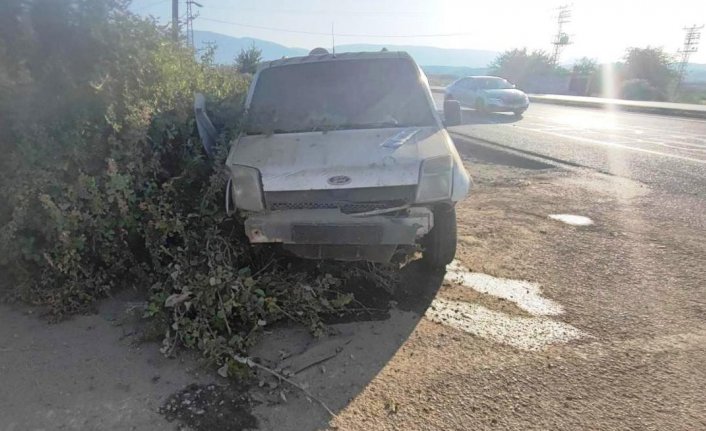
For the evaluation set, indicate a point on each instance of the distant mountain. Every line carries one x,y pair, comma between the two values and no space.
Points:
228,48
454,71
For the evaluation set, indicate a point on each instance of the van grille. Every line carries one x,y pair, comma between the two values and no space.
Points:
347,200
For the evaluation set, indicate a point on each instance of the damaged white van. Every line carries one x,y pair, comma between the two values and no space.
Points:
344,157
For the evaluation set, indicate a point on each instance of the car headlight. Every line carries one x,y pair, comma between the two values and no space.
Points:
247,188
435,179
495,101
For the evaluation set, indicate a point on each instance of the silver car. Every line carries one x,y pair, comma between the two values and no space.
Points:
488,94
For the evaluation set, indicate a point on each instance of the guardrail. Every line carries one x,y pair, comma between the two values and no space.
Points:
663,108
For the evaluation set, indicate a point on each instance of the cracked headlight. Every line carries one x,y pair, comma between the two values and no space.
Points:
247,188
435,179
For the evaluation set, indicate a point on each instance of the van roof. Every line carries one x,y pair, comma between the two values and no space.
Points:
335,57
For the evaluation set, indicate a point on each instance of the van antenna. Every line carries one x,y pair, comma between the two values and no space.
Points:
333,41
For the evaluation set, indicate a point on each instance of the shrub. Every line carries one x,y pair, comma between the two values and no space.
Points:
640,89
104,184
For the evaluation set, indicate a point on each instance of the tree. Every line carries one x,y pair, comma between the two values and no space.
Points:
585,66
585,77
653,67
521,67
248,59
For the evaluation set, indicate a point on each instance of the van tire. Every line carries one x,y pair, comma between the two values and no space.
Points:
440,243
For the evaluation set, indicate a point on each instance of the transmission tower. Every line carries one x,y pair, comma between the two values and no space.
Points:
561,39
191,15
691,45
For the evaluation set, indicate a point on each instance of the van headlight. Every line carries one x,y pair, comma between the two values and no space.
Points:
247,188
435,179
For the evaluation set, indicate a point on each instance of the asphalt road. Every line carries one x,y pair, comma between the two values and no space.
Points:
665,152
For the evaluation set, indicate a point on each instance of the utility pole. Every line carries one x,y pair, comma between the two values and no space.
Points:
333,41
190,17
561,39
175,20
691,45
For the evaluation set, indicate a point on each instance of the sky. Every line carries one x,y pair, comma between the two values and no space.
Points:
600,29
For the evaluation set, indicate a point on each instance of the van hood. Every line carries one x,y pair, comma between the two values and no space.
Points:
341,158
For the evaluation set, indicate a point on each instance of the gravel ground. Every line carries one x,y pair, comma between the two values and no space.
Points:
632,283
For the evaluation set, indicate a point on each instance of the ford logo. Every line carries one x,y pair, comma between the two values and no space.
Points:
339,180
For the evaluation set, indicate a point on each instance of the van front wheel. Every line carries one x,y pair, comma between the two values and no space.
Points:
439,245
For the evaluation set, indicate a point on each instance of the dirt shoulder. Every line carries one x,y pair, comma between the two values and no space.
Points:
631,283
540,325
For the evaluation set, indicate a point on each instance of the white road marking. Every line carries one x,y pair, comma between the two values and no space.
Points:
525,294
574,220
626,114
613,144
526,333
652,139
624,127
684,146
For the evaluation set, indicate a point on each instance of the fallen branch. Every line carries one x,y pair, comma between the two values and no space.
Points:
252,364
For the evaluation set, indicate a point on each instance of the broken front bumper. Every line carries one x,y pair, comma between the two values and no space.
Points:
331,234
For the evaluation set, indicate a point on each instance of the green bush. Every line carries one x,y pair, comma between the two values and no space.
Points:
104,184
641,89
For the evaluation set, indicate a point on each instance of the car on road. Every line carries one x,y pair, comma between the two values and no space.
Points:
345,157
488,94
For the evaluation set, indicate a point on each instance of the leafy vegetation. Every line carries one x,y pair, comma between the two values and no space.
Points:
648,74
104,184
524,68
248,59
645,73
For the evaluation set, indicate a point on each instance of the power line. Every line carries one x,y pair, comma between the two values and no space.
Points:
284,30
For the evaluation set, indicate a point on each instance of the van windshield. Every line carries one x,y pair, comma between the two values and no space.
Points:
342,94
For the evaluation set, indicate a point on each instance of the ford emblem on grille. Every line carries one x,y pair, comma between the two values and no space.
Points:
339,180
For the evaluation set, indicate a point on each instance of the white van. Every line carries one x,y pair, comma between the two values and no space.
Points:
345,157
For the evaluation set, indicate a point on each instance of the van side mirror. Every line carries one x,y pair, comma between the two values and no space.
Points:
452,113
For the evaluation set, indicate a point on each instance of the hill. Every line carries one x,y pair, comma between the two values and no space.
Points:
228,48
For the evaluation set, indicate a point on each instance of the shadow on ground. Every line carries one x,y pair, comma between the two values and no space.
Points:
476,151
92,372
471,116
337,367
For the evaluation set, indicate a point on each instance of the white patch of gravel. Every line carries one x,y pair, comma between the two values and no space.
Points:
527,295
574,220
526,333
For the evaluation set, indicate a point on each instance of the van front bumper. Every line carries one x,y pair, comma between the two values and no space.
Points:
329,233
